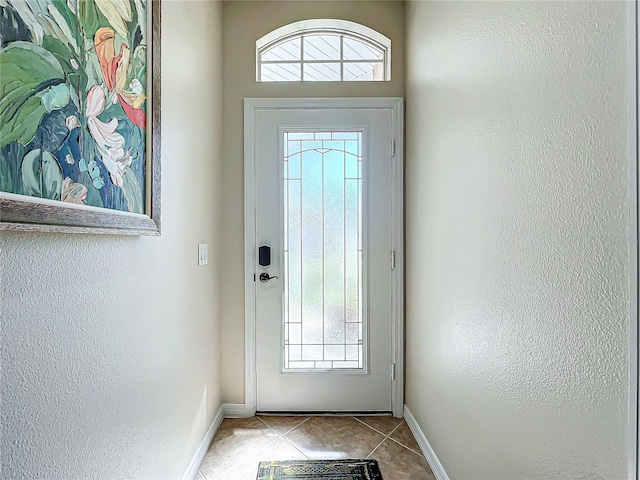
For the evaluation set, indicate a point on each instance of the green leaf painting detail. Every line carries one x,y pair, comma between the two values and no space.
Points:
73,101
132,191
62,52
25,70
42,175
6,180
22,125
55,97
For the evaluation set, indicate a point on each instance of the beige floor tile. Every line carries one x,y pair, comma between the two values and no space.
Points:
244,464
235,448
382,424
399,463
334,437
280,449
240,428
240,444
240,466
403,435
282,424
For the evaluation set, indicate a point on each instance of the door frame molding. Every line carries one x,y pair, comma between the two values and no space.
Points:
633,49
251,106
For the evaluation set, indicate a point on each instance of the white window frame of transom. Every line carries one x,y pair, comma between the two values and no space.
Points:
343,28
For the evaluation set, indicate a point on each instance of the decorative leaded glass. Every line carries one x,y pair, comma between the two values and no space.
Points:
326,50
323,315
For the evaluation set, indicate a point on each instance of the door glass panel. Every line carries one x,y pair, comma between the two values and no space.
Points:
323,315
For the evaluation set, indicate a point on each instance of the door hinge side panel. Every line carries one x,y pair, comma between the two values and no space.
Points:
393,371
393,259
393,148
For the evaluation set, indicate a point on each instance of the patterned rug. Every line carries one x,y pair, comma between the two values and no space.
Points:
319,470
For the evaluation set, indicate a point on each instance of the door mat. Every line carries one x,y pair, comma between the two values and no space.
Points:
319,470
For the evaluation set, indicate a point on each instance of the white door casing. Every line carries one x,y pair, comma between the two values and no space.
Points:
382,116
633,49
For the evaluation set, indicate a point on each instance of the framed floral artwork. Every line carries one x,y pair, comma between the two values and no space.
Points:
80,116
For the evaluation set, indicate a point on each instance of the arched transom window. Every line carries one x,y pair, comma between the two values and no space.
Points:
323,51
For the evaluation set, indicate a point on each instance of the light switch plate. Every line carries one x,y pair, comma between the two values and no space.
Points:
203,254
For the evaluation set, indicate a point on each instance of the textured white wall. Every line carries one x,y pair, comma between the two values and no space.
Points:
244,22
111,345
517,227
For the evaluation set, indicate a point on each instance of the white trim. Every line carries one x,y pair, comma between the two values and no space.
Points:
325,25
251,105
226,410
634,200
397,274
330,24
425,446
195,462
363,103
235,410
250,387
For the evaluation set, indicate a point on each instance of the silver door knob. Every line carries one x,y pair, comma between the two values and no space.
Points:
264,277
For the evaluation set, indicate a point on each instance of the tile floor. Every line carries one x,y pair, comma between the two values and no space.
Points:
241,443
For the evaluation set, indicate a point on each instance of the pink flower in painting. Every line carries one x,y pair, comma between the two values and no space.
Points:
110,143
72,122
73,192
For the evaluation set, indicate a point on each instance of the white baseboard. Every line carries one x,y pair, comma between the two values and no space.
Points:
429,454
192,469
226,410
234,410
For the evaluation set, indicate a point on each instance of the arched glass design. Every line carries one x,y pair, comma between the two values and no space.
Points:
323,51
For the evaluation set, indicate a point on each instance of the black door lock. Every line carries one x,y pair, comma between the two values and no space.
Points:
264,256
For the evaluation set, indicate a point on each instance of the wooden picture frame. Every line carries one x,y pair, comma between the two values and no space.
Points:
30,213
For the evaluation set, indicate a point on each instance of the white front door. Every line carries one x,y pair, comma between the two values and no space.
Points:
323,257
